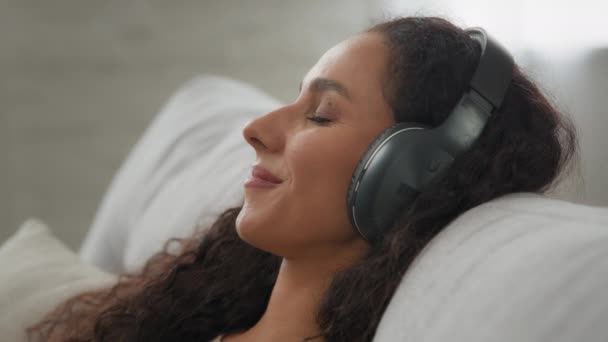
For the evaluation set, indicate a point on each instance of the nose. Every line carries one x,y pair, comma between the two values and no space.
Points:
267,132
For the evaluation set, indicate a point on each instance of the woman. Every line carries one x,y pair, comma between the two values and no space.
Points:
288,264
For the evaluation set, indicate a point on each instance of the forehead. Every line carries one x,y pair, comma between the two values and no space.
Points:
358,63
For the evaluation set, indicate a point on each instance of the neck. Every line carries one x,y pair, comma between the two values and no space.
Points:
292,310
293,304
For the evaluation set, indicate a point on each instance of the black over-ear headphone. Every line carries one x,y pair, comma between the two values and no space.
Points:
407,157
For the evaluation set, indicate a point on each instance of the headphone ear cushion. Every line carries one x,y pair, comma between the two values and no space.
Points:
352,203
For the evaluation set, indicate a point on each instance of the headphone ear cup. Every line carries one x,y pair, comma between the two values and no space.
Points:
360,206
358,173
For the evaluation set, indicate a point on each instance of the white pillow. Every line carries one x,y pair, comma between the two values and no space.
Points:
522,268
187,168
38,272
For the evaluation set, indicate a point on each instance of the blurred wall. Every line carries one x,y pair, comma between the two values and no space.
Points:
590,111
81,79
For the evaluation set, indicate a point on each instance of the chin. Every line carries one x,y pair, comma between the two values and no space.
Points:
251,232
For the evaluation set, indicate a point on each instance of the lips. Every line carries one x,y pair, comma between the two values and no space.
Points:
262,173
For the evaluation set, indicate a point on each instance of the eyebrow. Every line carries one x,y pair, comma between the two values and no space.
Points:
324,84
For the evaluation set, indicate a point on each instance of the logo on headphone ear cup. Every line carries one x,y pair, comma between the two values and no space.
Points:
373,200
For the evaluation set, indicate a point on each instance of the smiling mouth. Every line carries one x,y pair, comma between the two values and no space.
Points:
262,178
260,172
256,182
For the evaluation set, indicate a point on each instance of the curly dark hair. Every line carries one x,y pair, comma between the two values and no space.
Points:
218,284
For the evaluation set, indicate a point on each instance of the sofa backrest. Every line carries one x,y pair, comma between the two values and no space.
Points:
522,267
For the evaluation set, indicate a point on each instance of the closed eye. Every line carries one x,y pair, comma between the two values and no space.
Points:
319,119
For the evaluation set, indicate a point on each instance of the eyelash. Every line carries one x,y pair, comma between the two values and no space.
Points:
319,120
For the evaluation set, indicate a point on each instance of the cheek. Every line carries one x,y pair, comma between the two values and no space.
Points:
309,209
322,168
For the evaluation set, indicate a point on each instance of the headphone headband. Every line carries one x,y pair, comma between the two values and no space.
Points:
494,70
488,87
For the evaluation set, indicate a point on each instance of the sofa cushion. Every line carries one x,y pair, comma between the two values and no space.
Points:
37,272
520,268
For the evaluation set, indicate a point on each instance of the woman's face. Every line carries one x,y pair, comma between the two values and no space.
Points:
306,214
